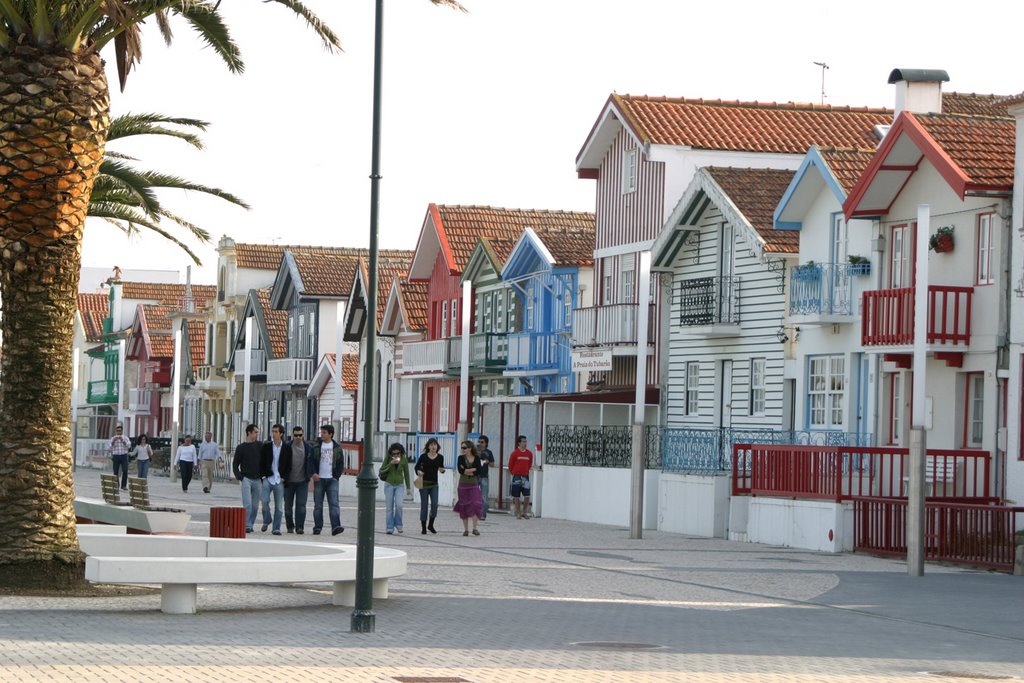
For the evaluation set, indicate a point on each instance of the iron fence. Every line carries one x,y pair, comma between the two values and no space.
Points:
596,446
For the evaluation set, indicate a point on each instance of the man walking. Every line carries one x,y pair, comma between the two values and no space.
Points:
486,460
250,469
519,465
273,482
296,468
208,454
119,447
329,466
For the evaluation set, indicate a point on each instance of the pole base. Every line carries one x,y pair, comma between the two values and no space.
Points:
363,621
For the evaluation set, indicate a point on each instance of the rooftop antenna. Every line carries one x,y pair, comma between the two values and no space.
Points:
823,66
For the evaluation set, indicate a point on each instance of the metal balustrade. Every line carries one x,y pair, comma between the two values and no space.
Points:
102,391
595,446
820,289
709,301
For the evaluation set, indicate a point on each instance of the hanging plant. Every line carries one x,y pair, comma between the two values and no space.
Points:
942,240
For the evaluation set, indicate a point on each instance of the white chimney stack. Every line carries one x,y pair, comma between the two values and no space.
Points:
918,90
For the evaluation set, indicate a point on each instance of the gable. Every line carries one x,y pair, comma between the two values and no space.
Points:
836,170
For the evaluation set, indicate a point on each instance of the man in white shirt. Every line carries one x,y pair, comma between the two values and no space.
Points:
329,466
208,454
273,482
185,460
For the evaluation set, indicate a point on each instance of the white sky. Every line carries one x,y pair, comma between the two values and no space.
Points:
491,107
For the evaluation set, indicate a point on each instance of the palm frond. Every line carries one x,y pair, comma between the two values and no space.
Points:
165,181
330,41
130,221
128,125
207,22
124,177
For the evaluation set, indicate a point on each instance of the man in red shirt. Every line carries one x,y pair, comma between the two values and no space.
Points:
519,464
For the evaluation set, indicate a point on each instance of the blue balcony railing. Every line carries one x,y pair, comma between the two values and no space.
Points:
820,289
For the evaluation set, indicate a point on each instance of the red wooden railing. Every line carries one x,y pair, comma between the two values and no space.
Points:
842,472
980,535
353,452
887,316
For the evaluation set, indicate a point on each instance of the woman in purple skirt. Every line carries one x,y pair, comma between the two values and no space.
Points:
471,503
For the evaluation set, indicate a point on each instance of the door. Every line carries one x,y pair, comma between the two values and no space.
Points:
840,284
725,395
901,257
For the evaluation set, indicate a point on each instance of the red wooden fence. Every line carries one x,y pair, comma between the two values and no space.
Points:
887,316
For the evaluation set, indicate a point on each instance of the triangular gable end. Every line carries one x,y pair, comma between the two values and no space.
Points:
252,308
528,256
325,373
898,157
394,320
355,311
287,283
432,240
813,175
602,135
482,262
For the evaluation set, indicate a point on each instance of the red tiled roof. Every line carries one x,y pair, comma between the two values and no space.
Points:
268,256
277,324
974,104
847,164
349,369
983,147
414,303
756,192
500,248
387,271
167,293
784,128
570,247
159,330
93,308
332,274
197,342
464,225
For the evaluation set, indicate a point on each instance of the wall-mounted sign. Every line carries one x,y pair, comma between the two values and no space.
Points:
591,360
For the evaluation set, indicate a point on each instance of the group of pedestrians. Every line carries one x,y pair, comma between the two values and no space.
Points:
190,461
473,465
282,470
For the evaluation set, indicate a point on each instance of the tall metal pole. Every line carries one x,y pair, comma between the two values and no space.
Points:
363,618
636,489
175,399
918,448
467,311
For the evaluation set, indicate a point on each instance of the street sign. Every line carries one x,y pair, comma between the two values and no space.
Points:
591,360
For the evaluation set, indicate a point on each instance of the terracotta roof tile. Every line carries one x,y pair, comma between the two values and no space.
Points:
464,225
332,274
983,147
387,271
501,248
167,293
197,342
277,324
974,104
93,308
756,192
785,128
570,247
414,303
349,369
847,164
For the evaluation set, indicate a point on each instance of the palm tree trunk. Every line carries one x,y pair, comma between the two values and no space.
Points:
53,126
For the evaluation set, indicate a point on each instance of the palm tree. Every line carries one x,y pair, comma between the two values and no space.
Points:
126,197
54,123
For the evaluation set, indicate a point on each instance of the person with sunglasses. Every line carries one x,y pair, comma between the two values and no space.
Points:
471,503
429,465
395,472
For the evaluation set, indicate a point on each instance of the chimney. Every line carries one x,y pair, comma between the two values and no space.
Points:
918,90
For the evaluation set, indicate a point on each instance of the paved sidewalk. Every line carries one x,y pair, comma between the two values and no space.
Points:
542,600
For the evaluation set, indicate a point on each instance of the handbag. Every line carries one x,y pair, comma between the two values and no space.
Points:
418,482
381,475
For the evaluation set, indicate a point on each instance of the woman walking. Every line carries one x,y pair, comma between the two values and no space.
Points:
471,502
395,473
428,466
143,453
185,458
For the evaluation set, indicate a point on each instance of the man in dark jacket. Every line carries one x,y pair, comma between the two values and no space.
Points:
330,463
296,467
250,468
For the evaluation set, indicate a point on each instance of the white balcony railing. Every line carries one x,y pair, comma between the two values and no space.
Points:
423,357
289,371
139,400
258,360
612,324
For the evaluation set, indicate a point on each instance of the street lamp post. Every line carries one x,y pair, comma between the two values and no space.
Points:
363,618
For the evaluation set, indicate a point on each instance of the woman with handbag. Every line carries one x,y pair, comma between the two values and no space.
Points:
394,472
471,502
428,466
142,453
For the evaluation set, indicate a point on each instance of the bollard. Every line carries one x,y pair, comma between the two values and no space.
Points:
227,522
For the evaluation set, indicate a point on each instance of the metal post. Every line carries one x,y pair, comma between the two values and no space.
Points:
339,352
467,308
175,396
120,382
363,618
247,355
918,438
636,489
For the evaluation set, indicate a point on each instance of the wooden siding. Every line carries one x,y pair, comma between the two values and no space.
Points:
761,309
638,215
442,289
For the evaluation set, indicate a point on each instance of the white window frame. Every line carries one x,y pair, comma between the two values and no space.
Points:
455,317
567,306
499,312
627,280
826,392
444,320
983,256
901,269
529,308
758,367
606,296
443,404
691,392
975,407
389,387
629,170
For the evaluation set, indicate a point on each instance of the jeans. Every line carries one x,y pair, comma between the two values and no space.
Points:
278,491
330,488
484,490
143,468
430,493
295,495
186,473
393,494
121,467
252,493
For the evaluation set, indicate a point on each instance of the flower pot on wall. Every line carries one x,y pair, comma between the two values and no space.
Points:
942,244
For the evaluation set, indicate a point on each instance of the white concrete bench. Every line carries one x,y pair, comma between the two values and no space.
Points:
180,563
148,521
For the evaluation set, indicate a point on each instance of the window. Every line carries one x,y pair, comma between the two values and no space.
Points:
487,301
757,386
901,257
529,308
840,240
607,284
442,411
629,171
726,250
895,407
455,317
654,288
974,414
692,386
444,321
387,390
513,321
826,392
499,311
984,260
567,306
626,280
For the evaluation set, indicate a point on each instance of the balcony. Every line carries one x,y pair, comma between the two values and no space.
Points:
488,352
610,325
820,293
425,358
102,391
290,371
258,362
139,401
709,306
534,352
888,316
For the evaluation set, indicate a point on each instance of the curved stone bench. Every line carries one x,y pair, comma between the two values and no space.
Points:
146,521
180,563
